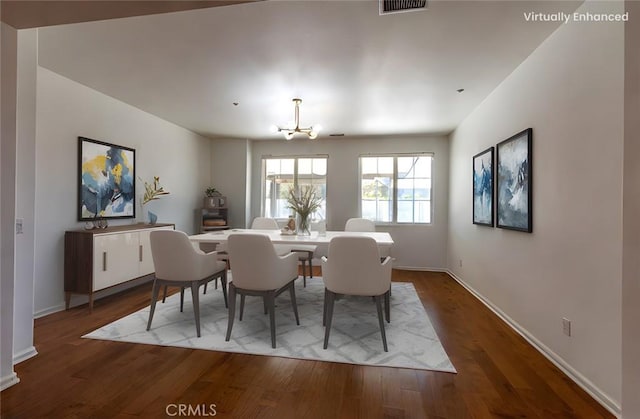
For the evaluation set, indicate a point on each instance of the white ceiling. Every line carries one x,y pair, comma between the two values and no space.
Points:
358,73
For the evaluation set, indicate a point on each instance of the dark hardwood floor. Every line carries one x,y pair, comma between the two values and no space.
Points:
499,374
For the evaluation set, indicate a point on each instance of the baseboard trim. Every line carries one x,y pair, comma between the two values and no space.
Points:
420,268
24,355
47,311
558,361
9,380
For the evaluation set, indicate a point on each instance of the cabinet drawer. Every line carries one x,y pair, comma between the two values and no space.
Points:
115,259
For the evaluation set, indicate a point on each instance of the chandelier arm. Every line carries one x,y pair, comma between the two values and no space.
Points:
289,132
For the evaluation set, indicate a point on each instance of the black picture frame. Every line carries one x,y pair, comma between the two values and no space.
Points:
514,187
106,180
483,178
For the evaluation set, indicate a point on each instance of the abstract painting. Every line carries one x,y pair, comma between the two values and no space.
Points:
106,180
483,188
514,203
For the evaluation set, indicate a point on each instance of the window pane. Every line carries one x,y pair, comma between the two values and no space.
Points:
405,211
304,166
413,180
320,167
405,188
287,166
281,176
423,167
405,167
422,212
385,165
369,165
384,211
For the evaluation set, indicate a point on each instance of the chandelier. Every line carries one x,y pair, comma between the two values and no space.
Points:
288,133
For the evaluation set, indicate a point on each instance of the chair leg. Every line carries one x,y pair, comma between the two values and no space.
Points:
292,293
154,297
196,304
232,310
324,307
223,284
387,308
205,287
304,273
330,298
164,297
310,265
241,306
381,321
269,299
181,299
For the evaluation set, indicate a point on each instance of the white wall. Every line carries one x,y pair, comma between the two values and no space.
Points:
25,200
66,110
8,84
631,209
570,91
229,162
416,246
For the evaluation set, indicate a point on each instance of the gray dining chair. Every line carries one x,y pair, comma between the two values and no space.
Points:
304,252
258,271
353,267
178,263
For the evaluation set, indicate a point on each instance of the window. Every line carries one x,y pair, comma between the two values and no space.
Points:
279,175
396,188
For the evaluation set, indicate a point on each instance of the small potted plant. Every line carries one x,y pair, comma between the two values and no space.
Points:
211,197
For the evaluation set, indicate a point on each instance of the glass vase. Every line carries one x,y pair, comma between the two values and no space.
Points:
303,224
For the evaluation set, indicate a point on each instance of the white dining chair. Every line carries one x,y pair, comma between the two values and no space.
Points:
359,224
258,271
353,267
264,223
304,252
178,263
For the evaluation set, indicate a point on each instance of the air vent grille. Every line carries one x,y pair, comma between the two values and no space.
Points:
399,6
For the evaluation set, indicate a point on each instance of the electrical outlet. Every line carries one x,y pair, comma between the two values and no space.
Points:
19,222
566,326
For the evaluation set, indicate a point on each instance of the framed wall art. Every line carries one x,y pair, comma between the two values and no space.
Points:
514,191
483,188
106,180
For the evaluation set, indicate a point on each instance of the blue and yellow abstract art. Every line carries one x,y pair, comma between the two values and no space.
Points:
106,180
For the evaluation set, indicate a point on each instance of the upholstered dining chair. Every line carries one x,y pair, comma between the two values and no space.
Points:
359,224
353,267
178,263
303,251
257,270
366,225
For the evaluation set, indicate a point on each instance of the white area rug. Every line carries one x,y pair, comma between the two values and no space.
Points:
355,335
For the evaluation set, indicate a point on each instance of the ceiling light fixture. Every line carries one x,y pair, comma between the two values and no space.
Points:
312,131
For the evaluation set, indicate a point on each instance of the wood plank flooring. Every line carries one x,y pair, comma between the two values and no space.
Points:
499,374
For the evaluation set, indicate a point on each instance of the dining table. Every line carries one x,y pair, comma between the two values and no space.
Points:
383,239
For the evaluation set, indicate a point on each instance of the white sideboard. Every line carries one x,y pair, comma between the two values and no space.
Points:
98,259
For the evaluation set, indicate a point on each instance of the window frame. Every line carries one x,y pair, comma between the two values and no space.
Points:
295,157
395,157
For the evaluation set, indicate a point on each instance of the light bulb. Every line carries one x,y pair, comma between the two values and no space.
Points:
313,135
274,128
288,135
317,128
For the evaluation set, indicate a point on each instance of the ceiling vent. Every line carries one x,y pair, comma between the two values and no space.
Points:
400,6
